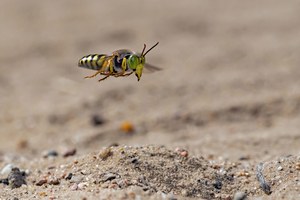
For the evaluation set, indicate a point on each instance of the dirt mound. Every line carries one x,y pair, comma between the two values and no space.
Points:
156,171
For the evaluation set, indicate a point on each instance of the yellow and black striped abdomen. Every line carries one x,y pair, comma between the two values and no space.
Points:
92,61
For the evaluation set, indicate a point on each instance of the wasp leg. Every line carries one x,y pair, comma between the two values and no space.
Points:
127,74
122,74
102,79
98,72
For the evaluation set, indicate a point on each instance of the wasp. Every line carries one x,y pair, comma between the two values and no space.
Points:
122,62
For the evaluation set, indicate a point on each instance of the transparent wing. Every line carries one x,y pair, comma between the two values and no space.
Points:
150,68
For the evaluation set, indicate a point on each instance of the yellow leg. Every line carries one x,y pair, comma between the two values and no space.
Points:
127,74
122,74
98,72
102,79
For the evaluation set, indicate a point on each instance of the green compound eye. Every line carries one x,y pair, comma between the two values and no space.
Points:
133,61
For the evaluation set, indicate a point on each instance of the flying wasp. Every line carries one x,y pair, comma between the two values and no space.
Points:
122,62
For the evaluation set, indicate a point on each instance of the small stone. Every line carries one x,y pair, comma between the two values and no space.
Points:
184,193
244,158
182,152
51,153
7,169
97,120
240,196
74,186
279,168
135,160
70,152
218,184
4,181
54,181
109,177
243,173
69,176
76,179
43,194
41,182
16,178
127,127
82,185
104,154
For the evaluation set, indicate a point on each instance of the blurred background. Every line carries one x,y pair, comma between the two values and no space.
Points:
229,85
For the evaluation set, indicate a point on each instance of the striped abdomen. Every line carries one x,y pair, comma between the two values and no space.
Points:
92,61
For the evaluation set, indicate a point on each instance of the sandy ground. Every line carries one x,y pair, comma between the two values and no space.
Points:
220,121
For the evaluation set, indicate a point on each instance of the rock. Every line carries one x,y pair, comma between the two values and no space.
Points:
16,178
82,185
279,168
7,169
41,182
76,179
97,120
74,186
69,176
240,196
54,181
70,152
4,181
105,153
50,153
109,177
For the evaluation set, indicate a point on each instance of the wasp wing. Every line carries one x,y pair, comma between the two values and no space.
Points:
148,68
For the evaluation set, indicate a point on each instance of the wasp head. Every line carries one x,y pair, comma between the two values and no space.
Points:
137,62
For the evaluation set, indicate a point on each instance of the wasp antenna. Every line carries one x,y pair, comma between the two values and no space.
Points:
150,48
143,49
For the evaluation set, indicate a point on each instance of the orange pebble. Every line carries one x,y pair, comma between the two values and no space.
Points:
127,127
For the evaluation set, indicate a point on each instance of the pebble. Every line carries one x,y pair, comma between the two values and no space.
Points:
41,182
69,176
243,173
54,181
16,178
76,179
240,196
50,153
104,154
109,177
127,127
82,185
43,194
74,186
7,169
97,120
279,168
4,181
182,152
184,193
70,152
